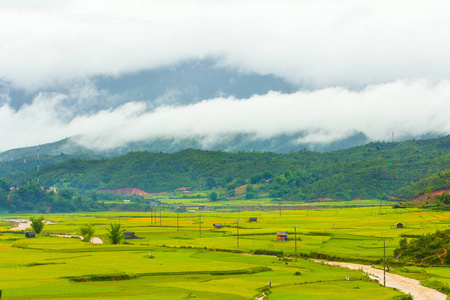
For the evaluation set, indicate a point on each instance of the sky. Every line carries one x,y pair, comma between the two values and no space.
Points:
115,72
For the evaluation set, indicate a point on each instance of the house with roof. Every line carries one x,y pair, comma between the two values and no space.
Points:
282,235
130,235
30,234
217,225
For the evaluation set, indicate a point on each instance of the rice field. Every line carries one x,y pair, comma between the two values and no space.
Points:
191,259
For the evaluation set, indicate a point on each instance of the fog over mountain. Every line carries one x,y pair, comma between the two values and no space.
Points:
233,75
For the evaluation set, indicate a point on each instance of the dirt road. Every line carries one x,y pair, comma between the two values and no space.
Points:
404,284
25,224
20,224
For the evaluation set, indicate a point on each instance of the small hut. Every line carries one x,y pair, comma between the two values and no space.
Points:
399,225
253,220
129,235
30,234
282,236
217,225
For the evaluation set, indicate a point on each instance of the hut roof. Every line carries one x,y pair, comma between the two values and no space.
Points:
282,233
128,233
30,234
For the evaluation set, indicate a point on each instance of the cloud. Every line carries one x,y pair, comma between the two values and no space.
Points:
313,43
408,108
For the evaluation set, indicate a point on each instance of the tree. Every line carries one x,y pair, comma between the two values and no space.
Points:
87,231
213,196
250,192
115,234
67,194
210,183
37,224
4,185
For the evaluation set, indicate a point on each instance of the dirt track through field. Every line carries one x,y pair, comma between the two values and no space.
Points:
404,284
20,224
25,224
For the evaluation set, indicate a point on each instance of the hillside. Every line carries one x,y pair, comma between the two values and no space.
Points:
429,249
439,181
373,170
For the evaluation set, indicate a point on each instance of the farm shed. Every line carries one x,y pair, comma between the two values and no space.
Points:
399,225
30,234
129,235
217,225
253,220
282,236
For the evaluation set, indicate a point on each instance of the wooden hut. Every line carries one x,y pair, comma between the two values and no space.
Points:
217,225
282,236
399,225
129,235
253,220
30,234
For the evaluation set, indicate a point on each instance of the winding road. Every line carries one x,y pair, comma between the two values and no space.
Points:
404,284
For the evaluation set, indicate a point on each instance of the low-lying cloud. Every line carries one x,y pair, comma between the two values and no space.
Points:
408,108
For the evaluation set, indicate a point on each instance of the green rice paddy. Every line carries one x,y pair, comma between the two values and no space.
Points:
194,260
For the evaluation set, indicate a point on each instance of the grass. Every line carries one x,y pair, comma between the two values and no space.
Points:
186,265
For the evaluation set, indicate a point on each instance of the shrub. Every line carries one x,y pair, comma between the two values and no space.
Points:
37,224
87,232
115,234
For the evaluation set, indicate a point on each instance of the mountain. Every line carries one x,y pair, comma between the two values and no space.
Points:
371,170
230,143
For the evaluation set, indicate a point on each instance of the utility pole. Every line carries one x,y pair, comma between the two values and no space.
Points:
200,226
295,238
177,220
237,228
384,263
280,210
38,164
160,216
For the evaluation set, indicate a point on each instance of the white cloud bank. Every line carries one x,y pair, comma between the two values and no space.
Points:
405,107
320,43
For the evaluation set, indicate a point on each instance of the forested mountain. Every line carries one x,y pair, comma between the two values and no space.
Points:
377,169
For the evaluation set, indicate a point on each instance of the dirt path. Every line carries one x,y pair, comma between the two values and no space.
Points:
25,224
20,224
404,284
94,240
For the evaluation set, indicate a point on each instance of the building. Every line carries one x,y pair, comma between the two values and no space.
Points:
129,235
282,236
399,225
30,234
253,220
217,225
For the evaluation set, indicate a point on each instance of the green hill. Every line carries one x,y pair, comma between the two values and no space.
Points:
435,182
374,170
